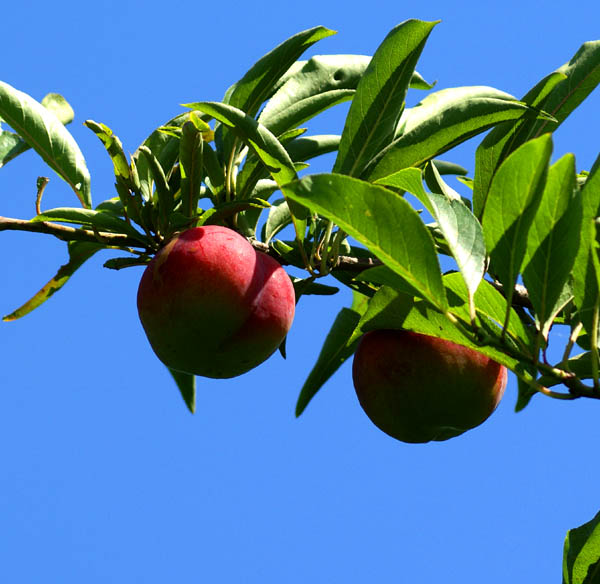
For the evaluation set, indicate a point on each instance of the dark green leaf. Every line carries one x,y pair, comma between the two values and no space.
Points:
45,133
186,383
581,558
380,94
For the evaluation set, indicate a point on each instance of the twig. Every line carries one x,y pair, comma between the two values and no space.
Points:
65,233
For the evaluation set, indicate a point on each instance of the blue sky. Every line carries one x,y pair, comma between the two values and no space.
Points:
107,478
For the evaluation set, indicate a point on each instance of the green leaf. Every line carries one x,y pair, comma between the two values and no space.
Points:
581,557
113,146
460,228
47,135
61,108
506,138
322,81
100,220
164,195
440,122
553,240
394,310
11,144
586,288
264,143
79,252
186,383
512,202
191,149
257,84
380,94
164,146
336,349
558,94
382,221
278,218
581,77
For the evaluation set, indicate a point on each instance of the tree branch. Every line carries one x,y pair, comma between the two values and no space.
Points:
65,233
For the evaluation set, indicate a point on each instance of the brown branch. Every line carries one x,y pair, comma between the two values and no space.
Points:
65,233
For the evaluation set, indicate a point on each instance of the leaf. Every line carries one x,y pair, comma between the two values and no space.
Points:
165,147
558,94
264,143
586,288
44,132
553,240
278,218
191,149
394,310
256,85
506,138
460,228
380,94
61,108
581,77
186,383
11,144
100,220
382,221
581,557
440,122
79,252
512,202
336,349
113,146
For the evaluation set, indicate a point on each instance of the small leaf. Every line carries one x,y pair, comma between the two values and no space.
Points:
79,252
45,133
186,383
380,94
382,221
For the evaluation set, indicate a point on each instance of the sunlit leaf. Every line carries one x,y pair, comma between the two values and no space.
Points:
380,96
46,134
382,221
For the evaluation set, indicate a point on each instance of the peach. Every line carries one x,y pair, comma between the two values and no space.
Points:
212,305
419,388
